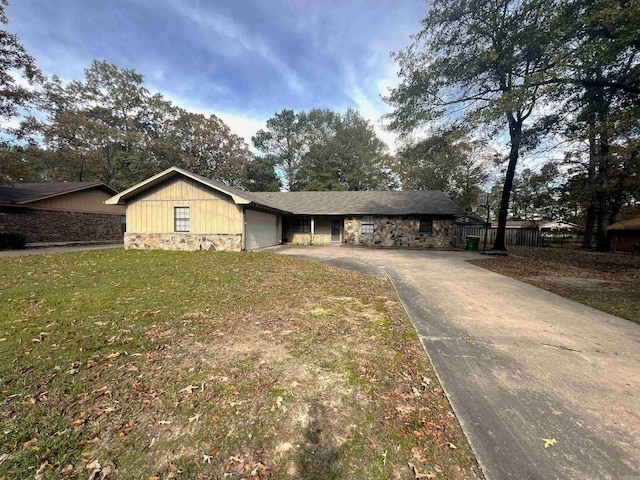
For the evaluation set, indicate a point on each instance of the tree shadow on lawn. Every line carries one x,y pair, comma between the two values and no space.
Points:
318,456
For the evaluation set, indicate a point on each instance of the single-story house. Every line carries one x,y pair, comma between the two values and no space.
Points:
62,212
470,220
558,228
178,210
625,235
516,224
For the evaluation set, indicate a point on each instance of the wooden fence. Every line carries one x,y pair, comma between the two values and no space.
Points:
526,237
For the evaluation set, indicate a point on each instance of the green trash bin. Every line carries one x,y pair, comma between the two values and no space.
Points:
473,242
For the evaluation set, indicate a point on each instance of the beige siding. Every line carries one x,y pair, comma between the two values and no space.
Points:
211,212
88,201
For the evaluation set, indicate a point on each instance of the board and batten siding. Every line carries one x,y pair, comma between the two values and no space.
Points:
211,212
87,201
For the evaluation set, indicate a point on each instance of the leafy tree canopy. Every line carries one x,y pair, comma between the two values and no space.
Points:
445,161
324,150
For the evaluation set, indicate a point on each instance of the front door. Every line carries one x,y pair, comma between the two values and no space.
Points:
336,229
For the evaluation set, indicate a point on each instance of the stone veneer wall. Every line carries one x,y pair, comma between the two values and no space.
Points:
43,226
183,241
391,231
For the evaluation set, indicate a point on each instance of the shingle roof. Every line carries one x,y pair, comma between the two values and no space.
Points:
422,202
238,196
30,192
630,224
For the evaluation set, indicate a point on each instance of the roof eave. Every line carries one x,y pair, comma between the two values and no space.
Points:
122,197
66,192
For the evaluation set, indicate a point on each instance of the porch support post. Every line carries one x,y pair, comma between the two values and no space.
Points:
313,228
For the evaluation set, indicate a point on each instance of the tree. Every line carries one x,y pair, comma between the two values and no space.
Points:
324,150
211,150
444,161
110,128
598,71
344,153
99,125
480,63
283,142
259,175
14,96
535,194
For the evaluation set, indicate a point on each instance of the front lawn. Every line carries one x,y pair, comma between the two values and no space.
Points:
606,281
164,365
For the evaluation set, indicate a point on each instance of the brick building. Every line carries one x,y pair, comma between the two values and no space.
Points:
62,212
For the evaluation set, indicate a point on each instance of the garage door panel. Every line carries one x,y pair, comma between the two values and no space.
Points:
261,229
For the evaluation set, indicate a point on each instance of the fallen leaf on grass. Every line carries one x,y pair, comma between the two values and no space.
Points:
195,417
67,469
28,443
549,441
188,389
107,470
96,467
40,472
419,475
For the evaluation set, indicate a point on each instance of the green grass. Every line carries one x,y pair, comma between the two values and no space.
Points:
605,281
138,364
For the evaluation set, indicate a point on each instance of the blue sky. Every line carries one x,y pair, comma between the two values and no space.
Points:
241,60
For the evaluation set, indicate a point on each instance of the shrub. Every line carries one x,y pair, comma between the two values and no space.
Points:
10,240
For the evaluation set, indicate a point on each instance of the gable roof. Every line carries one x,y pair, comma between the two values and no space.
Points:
559,225
26,193
429,202
239,197
629,224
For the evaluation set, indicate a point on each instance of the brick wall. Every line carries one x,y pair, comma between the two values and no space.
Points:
392,231
59,226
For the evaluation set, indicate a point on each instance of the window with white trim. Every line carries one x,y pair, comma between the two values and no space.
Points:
181,219
367,224
302,225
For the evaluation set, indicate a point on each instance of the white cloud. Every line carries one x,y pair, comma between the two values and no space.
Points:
239,40
365,92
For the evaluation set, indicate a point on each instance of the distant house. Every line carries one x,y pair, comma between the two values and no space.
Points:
62,212
625,235
178,210
517,224
470,220
558,228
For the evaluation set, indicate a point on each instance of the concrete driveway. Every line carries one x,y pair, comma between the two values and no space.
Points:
524,369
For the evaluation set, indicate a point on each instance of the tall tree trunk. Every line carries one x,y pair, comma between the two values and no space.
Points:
515,135
591,182
602,242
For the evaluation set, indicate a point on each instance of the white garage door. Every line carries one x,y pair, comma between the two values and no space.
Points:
261,229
